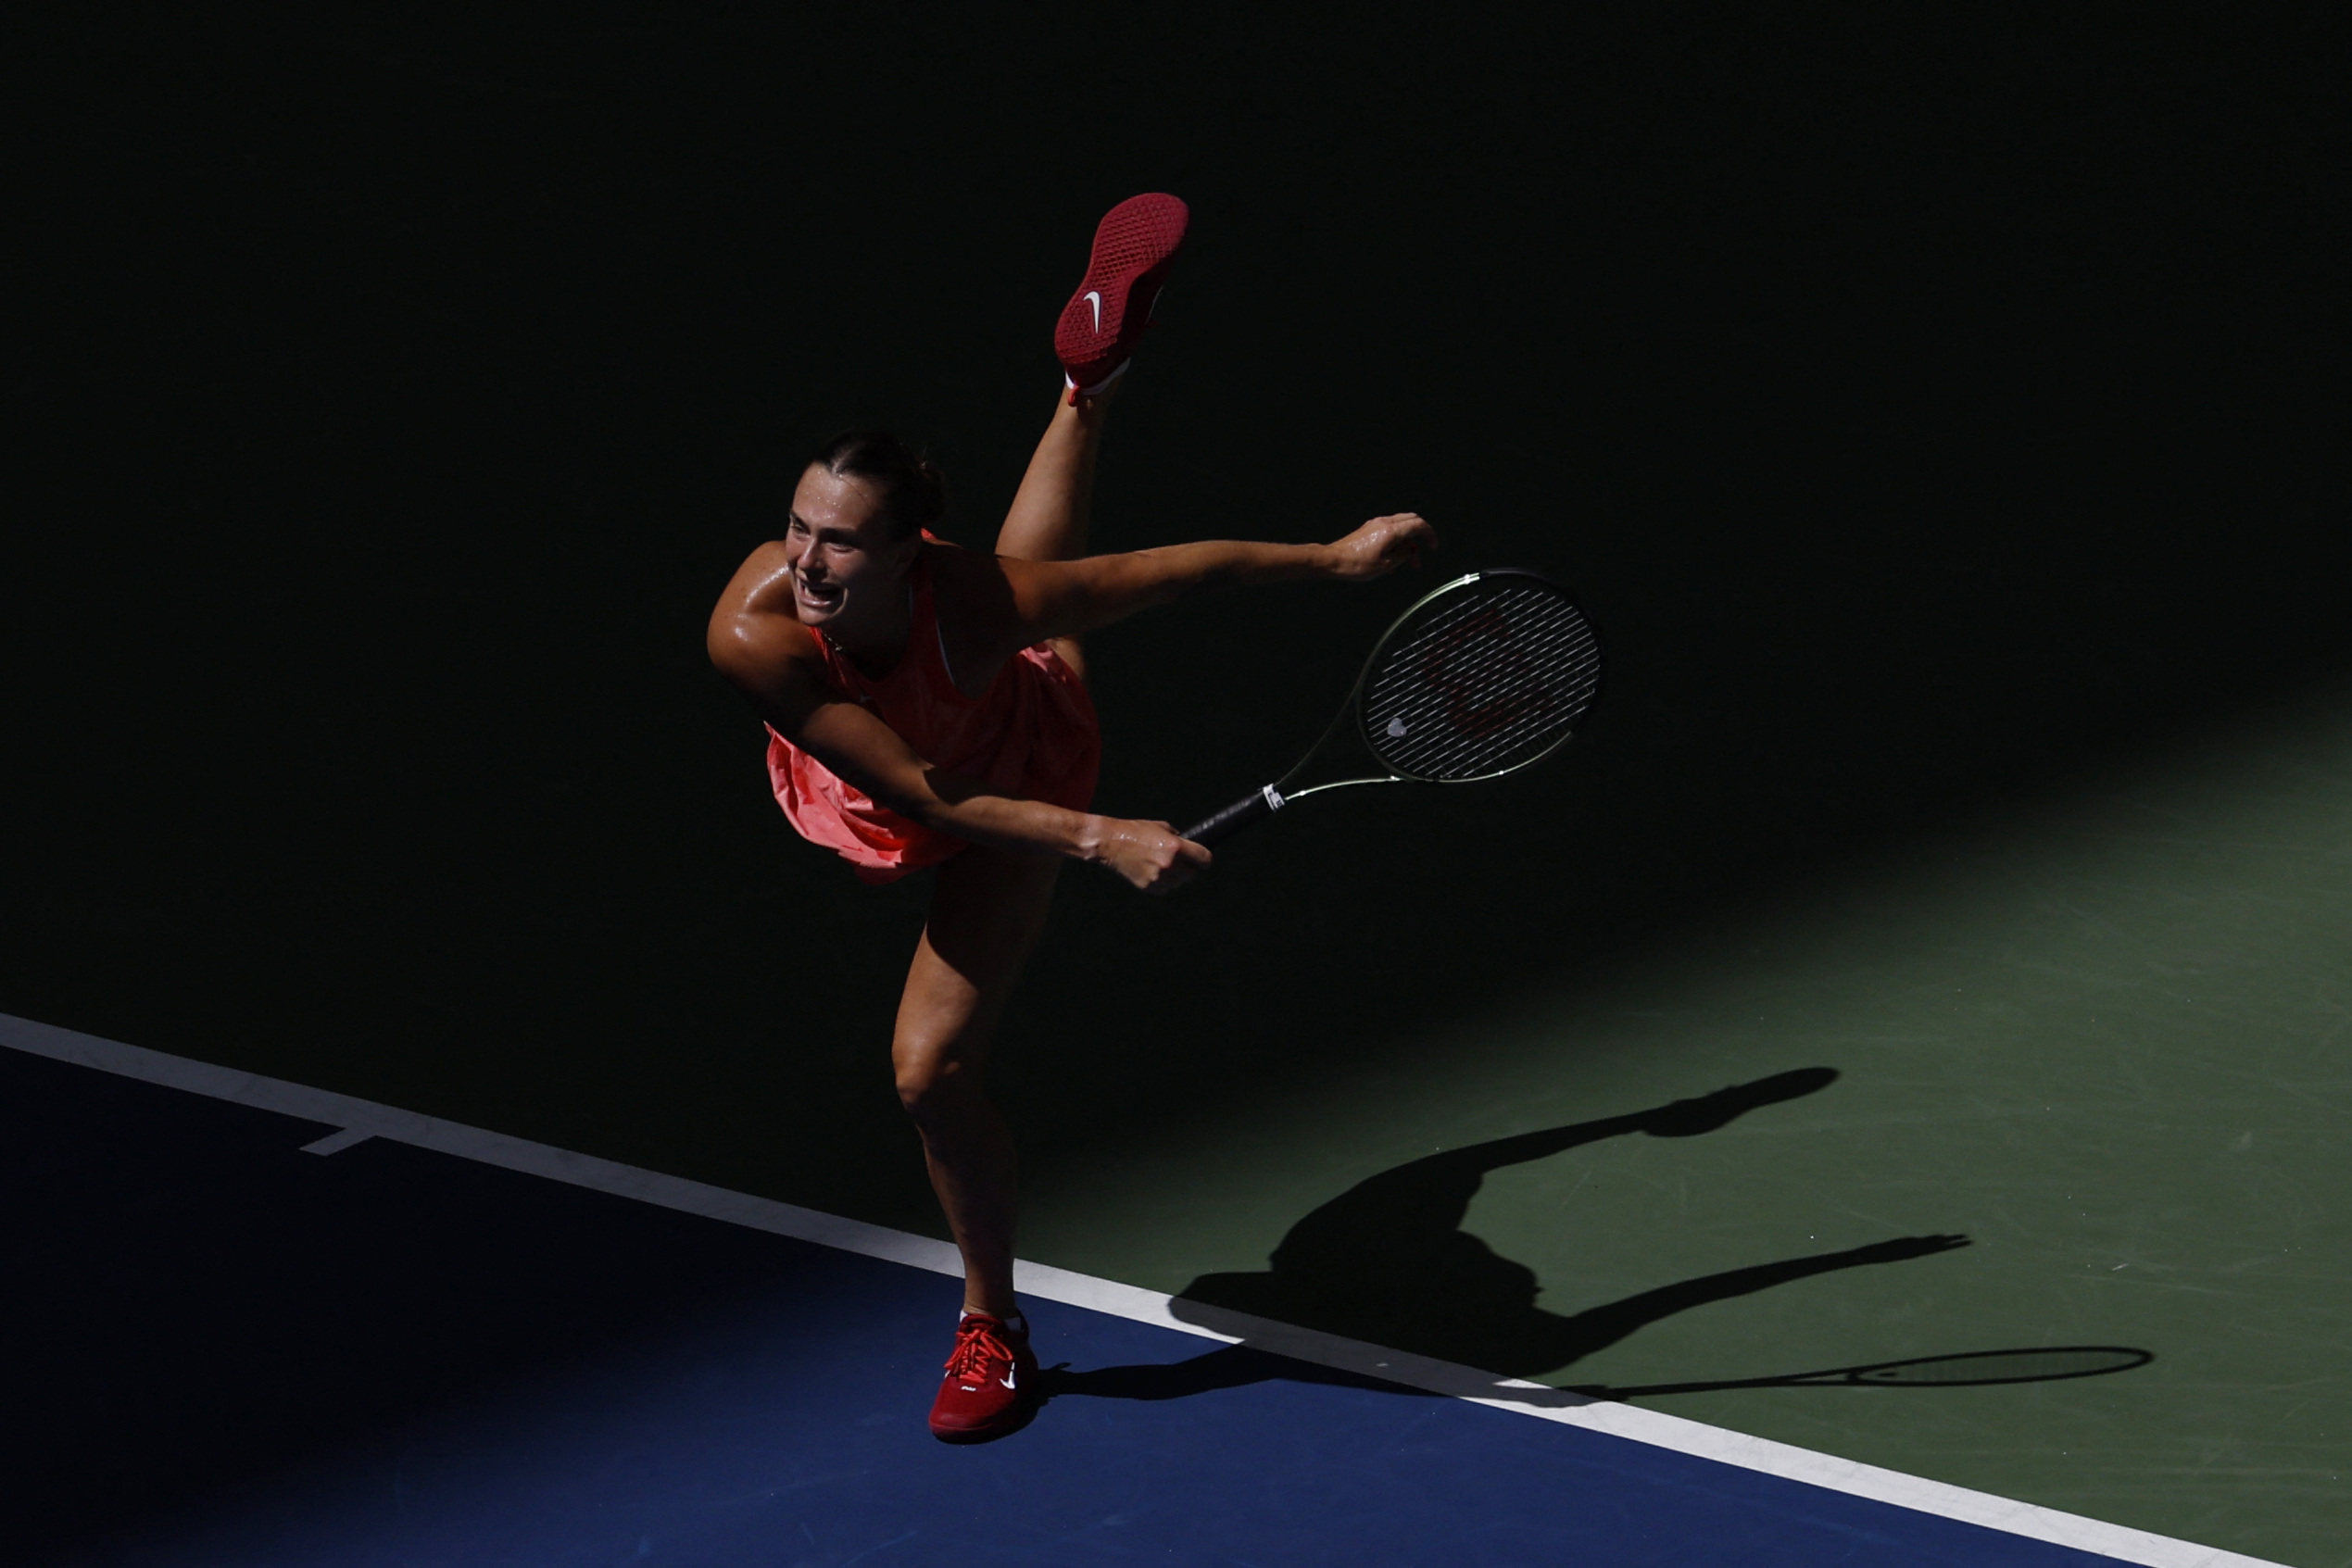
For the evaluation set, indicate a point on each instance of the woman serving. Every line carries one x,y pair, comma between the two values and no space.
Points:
926,707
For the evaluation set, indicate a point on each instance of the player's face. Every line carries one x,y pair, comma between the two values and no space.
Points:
843,561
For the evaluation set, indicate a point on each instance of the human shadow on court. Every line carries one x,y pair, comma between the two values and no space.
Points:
1386,1263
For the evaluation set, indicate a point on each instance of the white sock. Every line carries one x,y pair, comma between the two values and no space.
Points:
1097,388
1016,1322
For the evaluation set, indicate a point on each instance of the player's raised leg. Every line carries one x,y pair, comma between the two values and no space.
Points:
1051,511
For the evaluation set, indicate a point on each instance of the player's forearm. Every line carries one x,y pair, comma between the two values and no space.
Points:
1209,563
1071,599
857,747
1147,854
963,808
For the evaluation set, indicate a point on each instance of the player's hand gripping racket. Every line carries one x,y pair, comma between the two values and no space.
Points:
1480,677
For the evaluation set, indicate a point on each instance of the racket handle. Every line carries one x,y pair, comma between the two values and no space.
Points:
1233,818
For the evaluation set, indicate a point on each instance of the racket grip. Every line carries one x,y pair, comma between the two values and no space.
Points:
1257,804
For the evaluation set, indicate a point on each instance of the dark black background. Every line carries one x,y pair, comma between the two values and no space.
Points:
1934,411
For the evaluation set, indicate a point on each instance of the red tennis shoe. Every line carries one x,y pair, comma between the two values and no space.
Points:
1100,327
991,1384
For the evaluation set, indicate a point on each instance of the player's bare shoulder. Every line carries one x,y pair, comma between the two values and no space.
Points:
755,637
762,584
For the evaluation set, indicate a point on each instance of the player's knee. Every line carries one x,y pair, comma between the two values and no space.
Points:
930,1082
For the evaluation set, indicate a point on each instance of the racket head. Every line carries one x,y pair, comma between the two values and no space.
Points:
1479,677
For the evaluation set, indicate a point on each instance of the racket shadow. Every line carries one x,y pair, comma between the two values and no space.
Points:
1971,1369
1386,1263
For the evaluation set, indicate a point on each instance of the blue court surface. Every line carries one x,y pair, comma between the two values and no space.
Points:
231,1350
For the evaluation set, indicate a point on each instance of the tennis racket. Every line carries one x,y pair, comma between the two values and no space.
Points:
1480,677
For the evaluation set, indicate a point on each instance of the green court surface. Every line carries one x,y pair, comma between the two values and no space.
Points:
2103,1037
1942,423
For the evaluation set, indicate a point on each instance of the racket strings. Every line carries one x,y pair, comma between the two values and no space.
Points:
1491,678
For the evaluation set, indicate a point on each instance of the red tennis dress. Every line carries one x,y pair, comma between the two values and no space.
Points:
1032,733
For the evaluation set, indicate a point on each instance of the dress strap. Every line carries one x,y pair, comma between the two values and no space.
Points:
929,610
926,632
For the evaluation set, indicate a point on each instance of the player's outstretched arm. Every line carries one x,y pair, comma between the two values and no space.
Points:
773,661
1073,598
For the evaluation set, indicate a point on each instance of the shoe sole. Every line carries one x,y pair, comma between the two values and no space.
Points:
1132,249
1023,1415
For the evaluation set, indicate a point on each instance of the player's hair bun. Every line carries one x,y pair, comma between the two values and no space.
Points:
914,493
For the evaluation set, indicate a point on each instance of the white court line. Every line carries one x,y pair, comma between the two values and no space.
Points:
360,1119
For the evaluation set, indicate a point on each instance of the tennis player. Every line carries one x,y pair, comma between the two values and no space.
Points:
927,706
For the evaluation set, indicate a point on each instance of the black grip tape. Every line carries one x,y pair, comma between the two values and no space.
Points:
1233,818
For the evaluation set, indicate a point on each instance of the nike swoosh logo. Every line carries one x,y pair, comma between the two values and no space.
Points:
1094,299
1006,1381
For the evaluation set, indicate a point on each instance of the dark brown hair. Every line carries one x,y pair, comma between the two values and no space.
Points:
913,492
